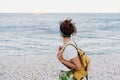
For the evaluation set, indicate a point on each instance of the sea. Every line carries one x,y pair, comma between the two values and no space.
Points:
38,34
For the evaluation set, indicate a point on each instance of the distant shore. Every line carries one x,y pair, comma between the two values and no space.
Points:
45,67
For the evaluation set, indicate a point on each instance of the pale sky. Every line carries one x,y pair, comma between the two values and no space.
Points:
60,6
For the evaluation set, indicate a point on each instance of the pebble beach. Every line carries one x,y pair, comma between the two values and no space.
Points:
45,67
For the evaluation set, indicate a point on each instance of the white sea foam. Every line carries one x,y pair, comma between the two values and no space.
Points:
22,34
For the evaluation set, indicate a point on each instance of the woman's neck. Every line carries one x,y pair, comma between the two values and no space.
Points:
67,39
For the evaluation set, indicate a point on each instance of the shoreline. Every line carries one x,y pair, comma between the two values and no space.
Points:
45,67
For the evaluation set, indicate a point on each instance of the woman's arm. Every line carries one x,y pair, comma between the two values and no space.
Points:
74,63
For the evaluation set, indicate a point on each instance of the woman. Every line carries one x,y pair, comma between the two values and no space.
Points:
69,59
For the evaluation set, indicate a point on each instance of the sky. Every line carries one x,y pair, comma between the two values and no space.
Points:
59,6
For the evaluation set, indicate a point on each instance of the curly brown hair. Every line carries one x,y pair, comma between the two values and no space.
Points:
67,28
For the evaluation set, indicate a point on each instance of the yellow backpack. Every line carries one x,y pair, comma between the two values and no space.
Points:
84,61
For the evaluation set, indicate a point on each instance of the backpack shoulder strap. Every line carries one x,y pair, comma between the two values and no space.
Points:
80,52
74,45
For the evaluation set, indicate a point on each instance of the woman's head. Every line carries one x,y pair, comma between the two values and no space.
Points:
67,28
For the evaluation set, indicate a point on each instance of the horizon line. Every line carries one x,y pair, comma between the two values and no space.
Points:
53,12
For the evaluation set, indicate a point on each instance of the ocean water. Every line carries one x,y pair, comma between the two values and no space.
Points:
26,34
